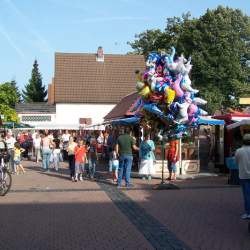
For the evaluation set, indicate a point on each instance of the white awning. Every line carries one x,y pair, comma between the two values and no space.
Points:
54,126
92,127
240,118
238,124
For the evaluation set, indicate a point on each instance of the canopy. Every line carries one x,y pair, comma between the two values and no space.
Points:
55,126
238,124
15,125
99,127
210,121
126,121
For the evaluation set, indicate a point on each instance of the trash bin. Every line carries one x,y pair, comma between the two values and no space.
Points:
233,178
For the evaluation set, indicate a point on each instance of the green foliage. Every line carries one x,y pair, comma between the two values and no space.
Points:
219,43
35,90
8,98
14,85
8,94
148,41
10,114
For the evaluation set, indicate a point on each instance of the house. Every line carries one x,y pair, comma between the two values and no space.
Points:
87,86
36,114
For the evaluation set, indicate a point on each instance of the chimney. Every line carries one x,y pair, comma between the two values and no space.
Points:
100,54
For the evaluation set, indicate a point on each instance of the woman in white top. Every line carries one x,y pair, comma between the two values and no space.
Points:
37,147
71,156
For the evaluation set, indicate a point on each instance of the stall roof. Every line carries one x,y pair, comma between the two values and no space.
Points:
126,121
123,108
238,124
210,121
229,118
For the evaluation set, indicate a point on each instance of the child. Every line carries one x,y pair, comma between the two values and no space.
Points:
92,157
17,158
172,157
80,159
115,166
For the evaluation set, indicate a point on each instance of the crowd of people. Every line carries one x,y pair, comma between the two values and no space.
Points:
115,149
83,151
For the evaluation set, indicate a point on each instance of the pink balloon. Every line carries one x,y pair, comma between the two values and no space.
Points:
192,109
176,87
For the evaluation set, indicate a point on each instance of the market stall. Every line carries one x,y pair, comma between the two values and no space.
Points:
229,137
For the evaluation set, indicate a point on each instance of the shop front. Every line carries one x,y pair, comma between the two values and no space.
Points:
228,138
188,148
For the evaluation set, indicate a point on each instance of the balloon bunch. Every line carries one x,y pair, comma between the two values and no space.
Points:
166,90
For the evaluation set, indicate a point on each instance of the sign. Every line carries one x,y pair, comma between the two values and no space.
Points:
245,100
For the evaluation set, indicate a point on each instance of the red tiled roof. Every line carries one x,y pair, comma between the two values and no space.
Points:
123,107
79,78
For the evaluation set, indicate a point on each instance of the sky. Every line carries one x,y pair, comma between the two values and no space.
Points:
37,29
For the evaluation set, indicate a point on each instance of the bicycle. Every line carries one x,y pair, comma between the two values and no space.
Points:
5,176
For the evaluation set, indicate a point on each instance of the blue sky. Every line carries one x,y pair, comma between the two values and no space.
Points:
37,29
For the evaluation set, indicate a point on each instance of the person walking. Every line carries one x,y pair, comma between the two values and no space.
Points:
46,146
92,158
71,157
172,158
65,141
147,158
10,142
124,145
115,166
80,159
110,148
17,158
242,158
37,147
56,153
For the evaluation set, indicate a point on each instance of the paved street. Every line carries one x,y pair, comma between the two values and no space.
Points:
48,211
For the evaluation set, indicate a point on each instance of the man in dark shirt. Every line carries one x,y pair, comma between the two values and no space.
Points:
124,145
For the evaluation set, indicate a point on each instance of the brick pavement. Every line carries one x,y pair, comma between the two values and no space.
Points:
204,213
36,215
47,211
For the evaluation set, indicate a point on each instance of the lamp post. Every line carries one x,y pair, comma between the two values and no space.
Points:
162,162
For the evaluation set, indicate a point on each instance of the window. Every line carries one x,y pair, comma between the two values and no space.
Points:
36,118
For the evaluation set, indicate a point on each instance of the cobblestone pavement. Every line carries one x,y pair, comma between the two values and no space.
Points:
48,211
204,213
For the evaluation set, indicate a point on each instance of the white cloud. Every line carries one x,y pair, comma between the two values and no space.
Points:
11,42
38,40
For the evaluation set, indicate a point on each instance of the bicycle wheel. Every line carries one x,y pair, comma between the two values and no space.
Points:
5,181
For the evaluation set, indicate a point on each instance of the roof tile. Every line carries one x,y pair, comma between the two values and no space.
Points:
80,78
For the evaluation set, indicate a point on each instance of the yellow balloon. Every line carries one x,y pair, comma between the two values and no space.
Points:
138,76
169,95
145,92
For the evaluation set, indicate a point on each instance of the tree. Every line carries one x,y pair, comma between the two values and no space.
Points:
14,85
8,94
9,114
8,99
219,44
35,91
